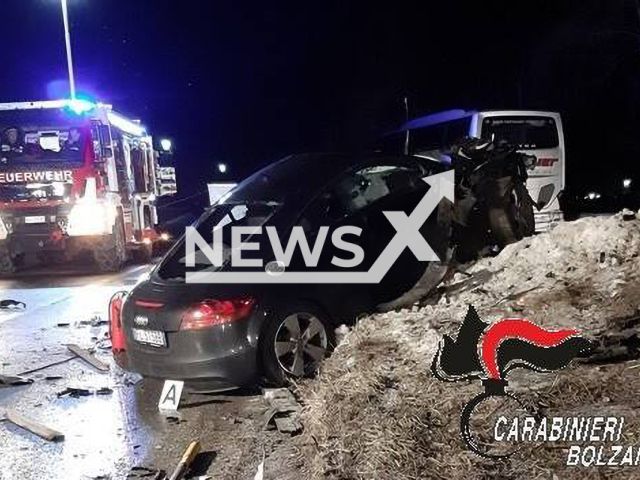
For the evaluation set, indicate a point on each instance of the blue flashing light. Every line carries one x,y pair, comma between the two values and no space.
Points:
435,119
80,105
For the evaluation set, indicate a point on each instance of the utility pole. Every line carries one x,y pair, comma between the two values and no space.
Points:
67,39
406,117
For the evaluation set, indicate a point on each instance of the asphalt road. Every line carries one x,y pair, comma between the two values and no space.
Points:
105,435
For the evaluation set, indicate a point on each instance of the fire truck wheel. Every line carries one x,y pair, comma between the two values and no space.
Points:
110,253
7,265
144,254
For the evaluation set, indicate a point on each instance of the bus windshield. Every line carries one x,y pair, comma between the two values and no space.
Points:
526,132
37,136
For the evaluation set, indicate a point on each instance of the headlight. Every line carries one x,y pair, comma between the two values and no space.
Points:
91,218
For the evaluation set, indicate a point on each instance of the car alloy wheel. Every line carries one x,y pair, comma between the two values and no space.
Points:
301,342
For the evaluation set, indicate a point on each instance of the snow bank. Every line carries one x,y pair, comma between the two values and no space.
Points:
375,411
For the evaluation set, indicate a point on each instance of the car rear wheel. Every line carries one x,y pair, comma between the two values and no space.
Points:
295,342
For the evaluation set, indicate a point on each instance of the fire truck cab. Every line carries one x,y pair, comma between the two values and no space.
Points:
76,176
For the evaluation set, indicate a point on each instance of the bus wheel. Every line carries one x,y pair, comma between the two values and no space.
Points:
7,265
110,252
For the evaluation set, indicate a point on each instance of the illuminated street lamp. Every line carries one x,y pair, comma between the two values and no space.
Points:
166,144
222,167
626,183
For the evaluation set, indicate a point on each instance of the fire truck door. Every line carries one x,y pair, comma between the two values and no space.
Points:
107,153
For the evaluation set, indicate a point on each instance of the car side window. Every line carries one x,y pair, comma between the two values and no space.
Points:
358,190
358,198
369,185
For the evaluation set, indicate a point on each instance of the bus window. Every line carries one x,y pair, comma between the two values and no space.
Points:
526,132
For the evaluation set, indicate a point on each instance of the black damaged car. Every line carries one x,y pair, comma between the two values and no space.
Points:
222,336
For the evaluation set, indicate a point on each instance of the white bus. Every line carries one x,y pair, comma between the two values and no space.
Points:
537,133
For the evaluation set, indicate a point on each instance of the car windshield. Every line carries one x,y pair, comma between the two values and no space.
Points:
526,132
222,216
40,136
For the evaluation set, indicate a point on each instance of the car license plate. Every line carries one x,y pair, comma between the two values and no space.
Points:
151,337
39,219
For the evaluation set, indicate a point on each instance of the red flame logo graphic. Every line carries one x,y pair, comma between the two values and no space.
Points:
521,329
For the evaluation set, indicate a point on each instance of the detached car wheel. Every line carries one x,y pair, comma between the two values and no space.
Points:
295,342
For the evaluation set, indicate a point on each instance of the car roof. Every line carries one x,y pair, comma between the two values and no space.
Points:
301,176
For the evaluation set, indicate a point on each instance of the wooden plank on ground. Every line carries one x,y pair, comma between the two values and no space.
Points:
34,427
87,357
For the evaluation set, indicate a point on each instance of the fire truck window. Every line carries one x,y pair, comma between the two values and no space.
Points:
137,159
121,166
105,140
35,136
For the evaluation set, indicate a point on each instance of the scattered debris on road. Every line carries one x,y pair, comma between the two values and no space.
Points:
83,392
12,305
187,459
52,364
283,410
174,420
33,426
95,321
148,473
9,381
74,392
88,357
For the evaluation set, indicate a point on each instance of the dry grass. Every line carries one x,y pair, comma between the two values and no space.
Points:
375,411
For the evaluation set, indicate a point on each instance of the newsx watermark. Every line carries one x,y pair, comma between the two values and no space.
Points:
407,236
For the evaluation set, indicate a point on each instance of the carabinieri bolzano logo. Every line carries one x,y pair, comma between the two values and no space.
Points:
488,352
407,235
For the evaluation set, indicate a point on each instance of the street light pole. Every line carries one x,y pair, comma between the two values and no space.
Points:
67,39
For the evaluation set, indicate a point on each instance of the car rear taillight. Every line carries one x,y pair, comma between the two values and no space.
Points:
210,313
115,321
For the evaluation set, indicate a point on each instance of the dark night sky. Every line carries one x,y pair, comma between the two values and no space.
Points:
248,82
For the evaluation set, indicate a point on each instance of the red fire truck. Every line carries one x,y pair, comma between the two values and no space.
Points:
76,176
